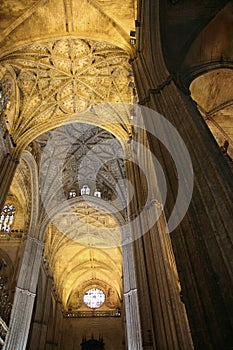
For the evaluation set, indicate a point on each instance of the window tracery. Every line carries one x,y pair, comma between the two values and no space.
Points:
97,193
72,194
7,218
85,190
94,298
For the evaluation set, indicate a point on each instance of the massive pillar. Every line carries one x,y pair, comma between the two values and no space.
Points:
162,314
202,242
24,296
133,326
45,329
39,324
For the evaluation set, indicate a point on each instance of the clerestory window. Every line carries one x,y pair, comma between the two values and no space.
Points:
85,190
7,218
72,194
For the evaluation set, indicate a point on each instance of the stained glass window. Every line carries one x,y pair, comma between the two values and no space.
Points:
97,193
85,190
94,298
7,218
72,194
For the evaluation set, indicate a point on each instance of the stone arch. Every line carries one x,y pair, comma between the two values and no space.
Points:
216,111
211,49
32,166
94,201
38,16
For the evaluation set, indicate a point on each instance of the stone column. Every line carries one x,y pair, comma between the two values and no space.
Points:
162,313
202,242
24,296
55,325
133,326
42,310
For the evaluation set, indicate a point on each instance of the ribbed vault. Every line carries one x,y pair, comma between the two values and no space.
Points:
26,21
77,267
83,242
213,93
58,79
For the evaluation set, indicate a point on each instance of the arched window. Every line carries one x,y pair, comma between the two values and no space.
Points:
85,190
72,194
97,193
7,218
94,298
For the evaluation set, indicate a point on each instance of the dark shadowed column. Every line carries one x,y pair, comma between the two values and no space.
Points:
202,242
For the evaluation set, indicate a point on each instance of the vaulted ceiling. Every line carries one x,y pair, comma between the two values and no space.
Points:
66,58
26,21
61,60
214,96
83,245
63,57
78,264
